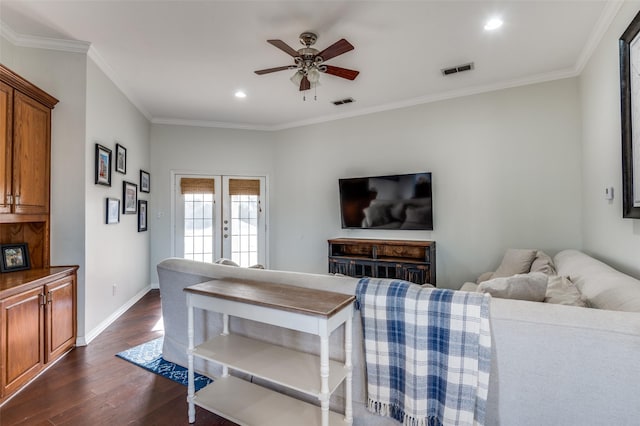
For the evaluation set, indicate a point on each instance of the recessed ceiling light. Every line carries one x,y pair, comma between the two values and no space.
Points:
493,24
240,94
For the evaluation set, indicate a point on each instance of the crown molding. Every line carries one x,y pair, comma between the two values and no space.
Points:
95,56
22,40
610,11
206,123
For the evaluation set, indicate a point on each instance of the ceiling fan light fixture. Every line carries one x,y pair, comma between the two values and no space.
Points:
313,75
296,78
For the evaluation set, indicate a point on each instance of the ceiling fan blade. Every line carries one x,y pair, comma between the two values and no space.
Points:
284,47
342,72
268,70
305,84
338,48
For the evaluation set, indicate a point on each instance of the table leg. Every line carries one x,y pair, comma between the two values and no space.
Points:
190,375
348,347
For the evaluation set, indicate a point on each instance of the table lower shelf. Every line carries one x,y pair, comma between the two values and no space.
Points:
277,364
249,404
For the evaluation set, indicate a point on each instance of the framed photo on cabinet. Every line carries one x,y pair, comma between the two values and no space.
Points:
145,181
15,257
142,215
113,211
121,159
129,197
103,165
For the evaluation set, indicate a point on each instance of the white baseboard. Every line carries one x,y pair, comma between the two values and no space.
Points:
88,337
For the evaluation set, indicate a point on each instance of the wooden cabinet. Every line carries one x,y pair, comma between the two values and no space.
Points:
25,162
413,261
38,313
25,139
38,306
21,339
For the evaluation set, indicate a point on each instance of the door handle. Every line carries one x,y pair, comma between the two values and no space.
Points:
226,235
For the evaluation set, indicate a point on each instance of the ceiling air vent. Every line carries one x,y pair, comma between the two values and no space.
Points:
343,101
458,68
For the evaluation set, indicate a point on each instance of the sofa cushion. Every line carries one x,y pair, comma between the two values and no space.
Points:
531,287
515,261
602,286
543,263
561,291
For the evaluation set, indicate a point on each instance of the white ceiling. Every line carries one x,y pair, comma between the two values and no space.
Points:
182,61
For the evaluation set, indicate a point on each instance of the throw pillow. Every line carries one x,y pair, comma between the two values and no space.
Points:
531,287
543,263
515,261
561,291
225,261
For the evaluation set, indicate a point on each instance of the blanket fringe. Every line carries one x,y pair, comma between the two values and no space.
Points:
393,411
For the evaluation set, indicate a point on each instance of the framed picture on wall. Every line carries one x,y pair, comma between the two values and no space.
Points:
629,51
145,181
142,215
113,211
130,197
103,165
121,159
15,257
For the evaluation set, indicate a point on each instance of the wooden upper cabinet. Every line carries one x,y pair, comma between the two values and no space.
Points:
31,155
25,148
6,137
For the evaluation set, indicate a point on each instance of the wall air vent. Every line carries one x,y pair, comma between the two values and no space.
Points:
457,69
343,101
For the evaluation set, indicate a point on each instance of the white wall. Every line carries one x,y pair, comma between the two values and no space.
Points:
115,254
606,234
63,75
198,150
506,173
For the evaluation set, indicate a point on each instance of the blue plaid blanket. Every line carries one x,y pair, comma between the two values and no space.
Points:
427,352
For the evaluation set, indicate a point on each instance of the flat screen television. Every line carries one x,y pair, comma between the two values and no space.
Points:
387,202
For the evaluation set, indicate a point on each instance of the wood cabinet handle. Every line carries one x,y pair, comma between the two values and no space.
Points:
9,199
49,297
43,299
17,197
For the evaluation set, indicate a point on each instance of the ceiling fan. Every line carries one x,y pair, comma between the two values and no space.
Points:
309,62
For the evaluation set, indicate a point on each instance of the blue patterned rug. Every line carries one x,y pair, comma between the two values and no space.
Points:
149,356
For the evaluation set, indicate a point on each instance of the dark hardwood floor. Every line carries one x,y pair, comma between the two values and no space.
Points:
91,386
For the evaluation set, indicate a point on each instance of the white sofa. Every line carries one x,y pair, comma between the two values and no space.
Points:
551,364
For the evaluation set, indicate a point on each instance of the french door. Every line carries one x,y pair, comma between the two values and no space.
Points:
220,216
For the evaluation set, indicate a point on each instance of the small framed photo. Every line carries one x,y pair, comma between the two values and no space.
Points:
103,165
113,211
15,257
142,215
130,197
121,159
145,181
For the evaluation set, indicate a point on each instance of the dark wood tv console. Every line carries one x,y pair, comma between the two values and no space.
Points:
413,261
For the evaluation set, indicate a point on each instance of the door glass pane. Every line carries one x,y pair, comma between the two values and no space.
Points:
244,229
198,227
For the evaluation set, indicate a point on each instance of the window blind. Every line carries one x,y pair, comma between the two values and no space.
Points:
197,186
244,187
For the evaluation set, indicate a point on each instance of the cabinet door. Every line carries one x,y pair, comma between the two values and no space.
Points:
6,129
21,339
61,317
31,147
